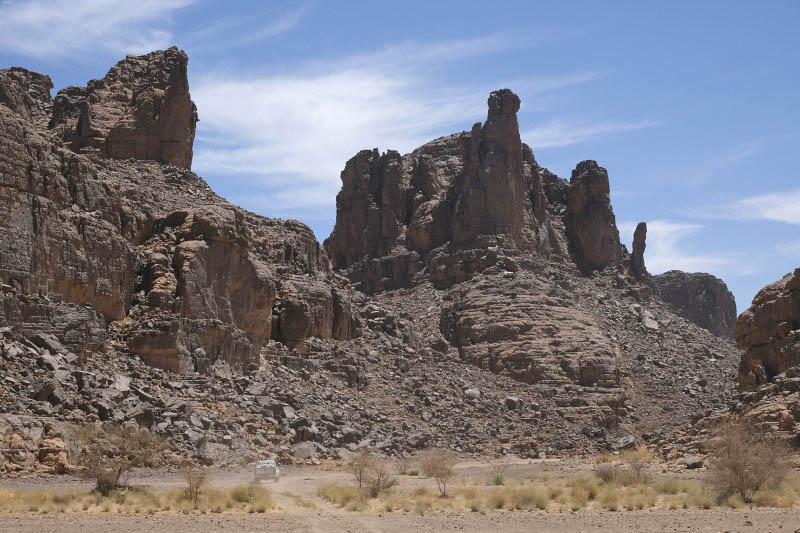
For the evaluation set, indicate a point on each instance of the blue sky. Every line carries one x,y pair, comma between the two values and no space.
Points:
691,106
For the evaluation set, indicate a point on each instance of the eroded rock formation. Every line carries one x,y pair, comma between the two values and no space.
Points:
207,280
638,269
769,332
442,211
141,109
702,298
131,293
590,221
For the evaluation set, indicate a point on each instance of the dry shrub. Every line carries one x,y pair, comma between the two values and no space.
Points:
359,465
107,452
196,480
497,499
609,499
746,460
371,473
439,463
637,461
351,498
529,498
583,487
607,472
498,473
379,478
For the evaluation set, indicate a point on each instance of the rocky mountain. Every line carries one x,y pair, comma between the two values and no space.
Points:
467,297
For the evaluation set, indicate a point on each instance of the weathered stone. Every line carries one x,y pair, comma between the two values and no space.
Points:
638,269
700,298
590,221
769,332
141,109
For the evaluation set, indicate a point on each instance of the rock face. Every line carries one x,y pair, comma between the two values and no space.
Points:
196,278
27,94
590,220
141,109
638,270
701,298
443,211
131,293
769,332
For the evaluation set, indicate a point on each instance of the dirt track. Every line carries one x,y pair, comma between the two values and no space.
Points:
302,483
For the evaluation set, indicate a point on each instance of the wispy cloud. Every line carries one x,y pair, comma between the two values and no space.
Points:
61,28
559,132
236,29
777,207
712,166
291,133
667,249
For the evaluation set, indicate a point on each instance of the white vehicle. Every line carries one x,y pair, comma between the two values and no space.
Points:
266,470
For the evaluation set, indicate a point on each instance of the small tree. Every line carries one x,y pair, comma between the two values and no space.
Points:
439,463
638,460
379,478
745,459
196,480
359,465
107,452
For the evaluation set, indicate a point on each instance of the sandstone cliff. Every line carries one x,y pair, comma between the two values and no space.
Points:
208,280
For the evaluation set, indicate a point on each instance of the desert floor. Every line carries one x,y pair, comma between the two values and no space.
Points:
299,484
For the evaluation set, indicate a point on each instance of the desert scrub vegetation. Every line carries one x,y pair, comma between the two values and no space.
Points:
106,452
137,500
439,464
747,462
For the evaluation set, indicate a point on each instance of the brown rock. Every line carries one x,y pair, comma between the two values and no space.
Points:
141,109
441,205
701,298
638,269
27,94
769,332
590,221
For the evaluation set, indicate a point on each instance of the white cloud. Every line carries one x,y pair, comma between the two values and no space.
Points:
293,132
666,251
777,207
559,132
59,28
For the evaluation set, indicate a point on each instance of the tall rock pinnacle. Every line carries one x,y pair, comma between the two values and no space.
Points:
493,191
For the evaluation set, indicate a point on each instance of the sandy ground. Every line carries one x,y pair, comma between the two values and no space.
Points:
302,482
